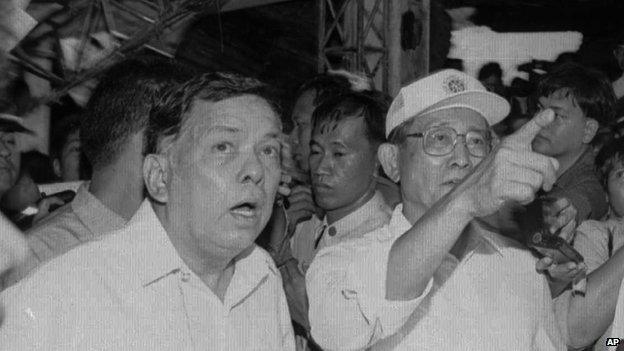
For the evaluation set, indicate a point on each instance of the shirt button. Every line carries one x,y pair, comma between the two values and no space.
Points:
186,276
331,231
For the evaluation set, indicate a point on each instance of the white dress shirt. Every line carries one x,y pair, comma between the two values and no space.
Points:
314,234
130,290
493,299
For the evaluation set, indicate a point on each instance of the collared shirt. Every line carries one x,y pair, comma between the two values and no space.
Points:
581,185
596,241
82,220
314,234
130,290
490,300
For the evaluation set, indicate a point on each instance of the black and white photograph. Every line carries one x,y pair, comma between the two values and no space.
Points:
312,175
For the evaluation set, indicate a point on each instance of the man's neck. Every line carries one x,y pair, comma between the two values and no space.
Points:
335,215
567,160
119,188
215,269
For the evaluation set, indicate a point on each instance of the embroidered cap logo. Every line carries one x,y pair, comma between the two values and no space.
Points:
453,85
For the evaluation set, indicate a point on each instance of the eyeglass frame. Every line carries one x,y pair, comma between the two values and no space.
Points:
422,135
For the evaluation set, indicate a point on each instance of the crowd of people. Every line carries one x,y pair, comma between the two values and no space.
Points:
380,223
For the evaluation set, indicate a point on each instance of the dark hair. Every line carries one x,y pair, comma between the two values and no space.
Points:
324,86
490,69
120,105
590,89
60,132
38,166
171,112
371,105
610,154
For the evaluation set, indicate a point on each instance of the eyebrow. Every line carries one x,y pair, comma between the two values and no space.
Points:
226,129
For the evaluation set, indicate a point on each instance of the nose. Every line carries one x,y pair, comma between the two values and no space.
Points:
252,170
460,156
324,165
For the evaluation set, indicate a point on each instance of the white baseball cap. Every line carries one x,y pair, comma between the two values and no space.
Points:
442,90
11,123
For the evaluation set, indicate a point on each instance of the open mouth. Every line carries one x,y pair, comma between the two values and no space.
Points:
246,210
452,182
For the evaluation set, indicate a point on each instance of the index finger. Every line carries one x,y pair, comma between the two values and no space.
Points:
525,135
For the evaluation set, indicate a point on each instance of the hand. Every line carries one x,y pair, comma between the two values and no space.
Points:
511,172
560,216
560,275
301,205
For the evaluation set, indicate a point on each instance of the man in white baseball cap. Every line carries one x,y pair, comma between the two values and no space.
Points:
436,277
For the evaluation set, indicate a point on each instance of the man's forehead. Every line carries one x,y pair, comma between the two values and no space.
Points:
237,114
558,98
352,126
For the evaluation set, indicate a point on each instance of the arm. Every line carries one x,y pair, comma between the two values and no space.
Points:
511,173
417,254
346,292
590,316
588,197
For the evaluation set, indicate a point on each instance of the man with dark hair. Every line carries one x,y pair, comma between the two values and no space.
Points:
112,137
184,274
346,132
583,101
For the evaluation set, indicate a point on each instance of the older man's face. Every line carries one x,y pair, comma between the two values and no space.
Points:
9,160
425,178
225,172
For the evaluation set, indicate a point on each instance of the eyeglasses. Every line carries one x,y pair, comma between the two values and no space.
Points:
440,141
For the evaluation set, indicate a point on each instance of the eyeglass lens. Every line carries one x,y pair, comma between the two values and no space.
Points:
441,141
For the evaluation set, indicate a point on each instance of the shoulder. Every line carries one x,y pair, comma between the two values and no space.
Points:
58,229
368,245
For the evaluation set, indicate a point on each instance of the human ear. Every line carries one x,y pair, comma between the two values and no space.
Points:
591,128
388,155
155,176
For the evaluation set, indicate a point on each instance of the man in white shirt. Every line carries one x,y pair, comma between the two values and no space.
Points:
436,277
347,130
184,274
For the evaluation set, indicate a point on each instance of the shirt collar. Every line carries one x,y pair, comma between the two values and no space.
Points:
98,218
156,258
346,224
479,236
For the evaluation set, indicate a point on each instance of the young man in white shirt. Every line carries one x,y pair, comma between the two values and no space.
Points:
347,130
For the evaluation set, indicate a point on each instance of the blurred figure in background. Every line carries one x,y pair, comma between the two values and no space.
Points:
66,150
491,76
112,137
10,157
23,202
